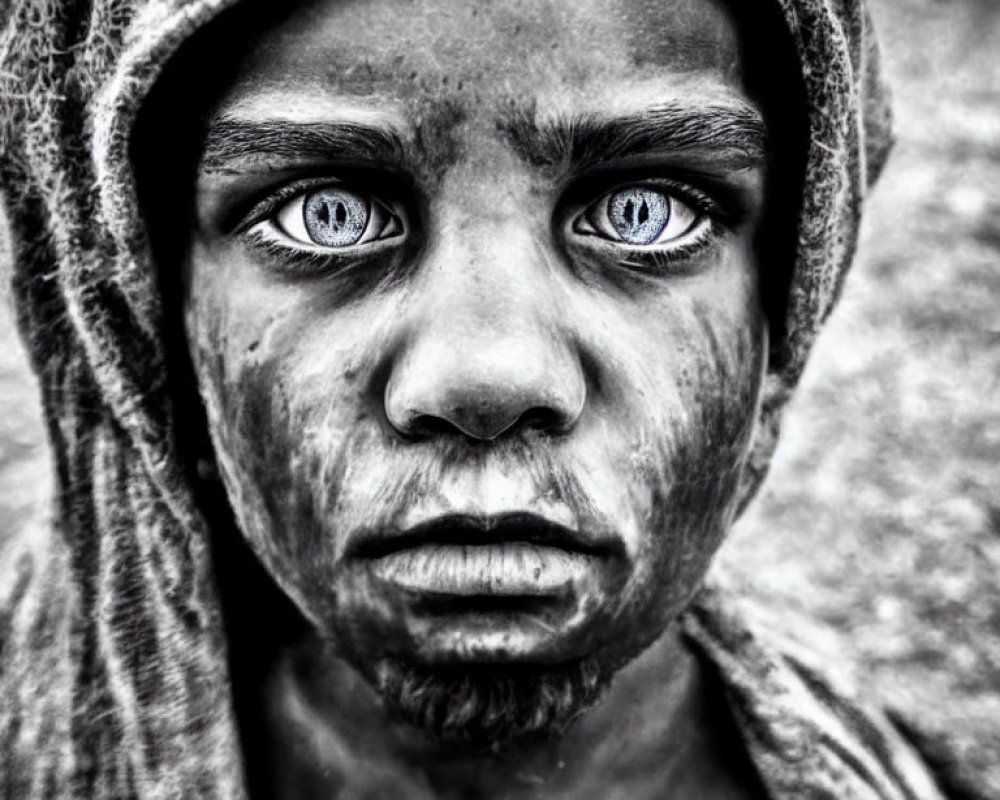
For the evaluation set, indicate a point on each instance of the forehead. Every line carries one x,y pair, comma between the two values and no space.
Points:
560,56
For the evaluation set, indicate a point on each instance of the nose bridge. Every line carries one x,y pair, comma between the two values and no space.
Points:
492,269
490,232
486,348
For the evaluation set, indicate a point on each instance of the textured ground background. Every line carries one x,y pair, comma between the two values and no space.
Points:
882,513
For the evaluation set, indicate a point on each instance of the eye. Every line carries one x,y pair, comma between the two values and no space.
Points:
336,217
640,216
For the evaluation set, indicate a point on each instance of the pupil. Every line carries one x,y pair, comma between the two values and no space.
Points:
643,212
341,214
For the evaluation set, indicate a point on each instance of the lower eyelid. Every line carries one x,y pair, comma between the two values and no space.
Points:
297,260
705,225
700,234
658,260
268,238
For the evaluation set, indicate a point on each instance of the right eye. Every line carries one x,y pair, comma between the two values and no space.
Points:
333,217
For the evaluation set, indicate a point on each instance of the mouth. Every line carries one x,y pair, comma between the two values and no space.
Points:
505,559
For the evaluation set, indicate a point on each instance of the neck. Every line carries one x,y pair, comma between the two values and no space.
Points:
327,735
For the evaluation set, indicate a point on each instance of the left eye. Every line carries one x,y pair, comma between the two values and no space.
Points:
336,217
638,215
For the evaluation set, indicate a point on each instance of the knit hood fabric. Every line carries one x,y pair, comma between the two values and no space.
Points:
114,680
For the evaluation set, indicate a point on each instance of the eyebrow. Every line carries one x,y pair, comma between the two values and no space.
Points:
230,140
733,133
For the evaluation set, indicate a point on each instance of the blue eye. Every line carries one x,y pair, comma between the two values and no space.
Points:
639,215
334,217
642,216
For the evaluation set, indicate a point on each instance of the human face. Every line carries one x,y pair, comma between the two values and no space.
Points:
473,306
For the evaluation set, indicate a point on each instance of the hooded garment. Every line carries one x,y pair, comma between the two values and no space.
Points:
114,680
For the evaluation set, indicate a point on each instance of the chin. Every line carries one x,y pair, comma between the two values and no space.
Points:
479,672
488,673
490,706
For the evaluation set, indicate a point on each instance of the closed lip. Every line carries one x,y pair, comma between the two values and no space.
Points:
504,556
468,530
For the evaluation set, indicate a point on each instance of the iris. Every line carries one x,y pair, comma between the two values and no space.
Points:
335,217
639,215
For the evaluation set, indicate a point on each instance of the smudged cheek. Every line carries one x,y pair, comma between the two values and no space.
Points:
283,428
675,415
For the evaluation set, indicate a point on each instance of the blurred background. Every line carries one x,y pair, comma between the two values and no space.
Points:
881,516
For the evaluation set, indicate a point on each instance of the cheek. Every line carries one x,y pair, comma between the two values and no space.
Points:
284,424
686,394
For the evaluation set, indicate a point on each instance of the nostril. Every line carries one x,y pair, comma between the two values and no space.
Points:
481,425
422,426
541,418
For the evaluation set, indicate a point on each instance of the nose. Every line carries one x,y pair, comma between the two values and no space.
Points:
483,386
488,354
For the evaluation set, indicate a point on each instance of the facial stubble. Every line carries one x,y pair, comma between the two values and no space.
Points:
488,708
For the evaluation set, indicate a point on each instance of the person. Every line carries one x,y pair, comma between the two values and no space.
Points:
405,363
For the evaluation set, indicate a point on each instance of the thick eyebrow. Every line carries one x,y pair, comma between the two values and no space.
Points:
230,141
734,134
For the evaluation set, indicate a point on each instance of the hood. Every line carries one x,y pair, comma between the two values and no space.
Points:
113,666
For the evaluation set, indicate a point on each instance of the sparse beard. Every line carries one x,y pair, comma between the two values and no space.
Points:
489,708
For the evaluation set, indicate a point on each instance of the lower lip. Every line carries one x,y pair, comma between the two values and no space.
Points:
507,569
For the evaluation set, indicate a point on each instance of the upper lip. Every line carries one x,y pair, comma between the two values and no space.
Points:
470,529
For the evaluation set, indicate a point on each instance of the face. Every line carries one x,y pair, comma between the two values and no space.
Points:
473,306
